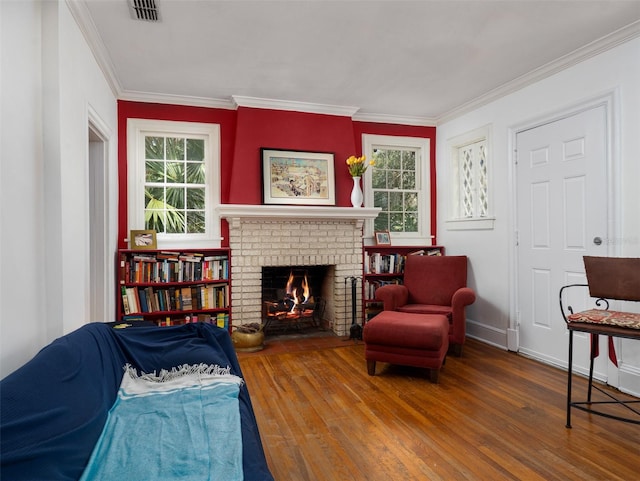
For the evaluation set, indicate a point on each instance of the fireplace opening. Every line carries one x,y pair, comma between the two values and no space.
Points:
294,298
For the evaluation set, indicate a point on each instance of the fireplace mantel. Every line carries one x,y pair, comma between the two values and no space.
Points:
289,212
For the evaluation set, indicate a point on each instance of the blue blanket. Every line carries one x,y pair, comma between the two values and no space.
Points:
181,424
54,408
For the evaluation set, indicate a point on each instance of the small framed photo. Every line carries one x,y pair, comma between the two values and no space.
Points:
143,239
292,177
383,238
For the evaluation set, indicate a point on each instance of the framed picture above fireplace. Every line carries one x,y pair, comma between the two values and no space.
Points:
292,177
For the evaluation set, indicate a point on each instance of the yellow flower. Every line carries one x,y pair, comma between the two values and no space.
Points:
357,166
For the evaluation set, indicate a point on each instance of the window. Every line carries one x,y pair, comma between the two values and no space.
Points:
398,183
472,173
174,180
469,206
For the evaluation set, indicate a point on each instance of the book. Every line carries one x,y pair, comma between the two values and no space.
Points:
174,299
134,305
222,320
142,295
125,300
196,299
185,299
160,298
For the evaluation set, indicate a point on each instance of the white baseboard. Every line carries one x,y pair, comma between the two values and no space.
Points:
629,379
489,334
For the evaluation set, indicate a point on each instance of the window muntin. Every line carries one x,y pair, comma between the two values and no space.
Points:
174,181
175,184
398,184
395,189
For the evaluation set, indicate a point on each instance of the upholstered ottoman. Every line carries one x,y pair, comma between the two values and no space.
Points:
419,340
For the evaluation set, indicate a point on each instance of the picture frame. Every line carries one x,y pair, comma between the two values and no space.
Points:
383,238
293,177
143,239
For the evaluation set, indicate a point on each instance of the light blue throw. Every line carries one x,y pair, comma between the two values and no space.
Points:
180,424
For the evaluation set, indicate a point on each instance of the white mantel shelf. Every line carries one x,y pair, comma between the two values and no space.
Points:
302,212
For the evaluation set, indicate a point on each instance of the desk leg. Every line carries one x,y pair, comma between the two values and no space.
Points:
569,369
595,339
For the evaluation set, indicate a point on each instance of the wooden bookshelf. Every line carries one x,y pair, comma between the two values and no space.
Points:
173,287
384,264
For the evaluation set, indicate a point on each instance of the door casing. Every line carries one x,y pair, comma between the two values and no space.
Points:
609,102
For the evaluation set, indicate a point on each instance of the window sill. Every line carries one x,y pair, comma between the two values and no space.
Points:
485,223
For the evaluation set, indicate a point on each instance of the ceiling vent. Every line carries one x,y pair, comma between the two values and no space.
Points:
144,10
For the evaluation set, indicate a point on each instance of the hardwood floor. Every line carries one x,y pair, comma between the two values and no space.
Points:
494,415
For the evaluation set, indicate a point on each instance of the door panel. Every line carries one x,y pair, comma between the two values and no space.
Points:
575,205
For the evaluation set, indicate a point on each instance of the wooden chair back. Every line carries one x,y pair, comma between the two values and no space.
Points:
613,277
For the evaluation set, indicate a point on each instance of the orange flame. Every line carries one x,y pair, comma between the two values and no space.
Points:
289,283
305,289
293,291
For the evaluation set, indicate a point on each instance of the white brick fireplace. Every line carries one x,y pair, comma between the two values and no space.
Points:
269,235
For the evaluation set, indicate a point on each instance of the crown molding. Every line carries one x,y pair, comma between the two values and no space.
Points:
347,111
292,105
151,97
579,55
395,119
80,13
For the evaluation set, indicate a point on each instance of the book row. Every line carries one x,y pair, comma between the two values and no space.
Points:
392,263
371,285
187,298
378,263
172,267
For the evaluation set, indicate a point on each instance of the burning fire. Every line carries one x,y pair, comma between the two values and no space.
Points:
292,292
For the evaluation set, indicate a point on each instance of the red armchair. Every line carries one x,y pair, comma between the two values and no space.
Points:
433,285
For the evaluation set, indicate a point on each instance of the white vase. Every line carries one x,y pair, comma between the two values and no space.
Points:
356,193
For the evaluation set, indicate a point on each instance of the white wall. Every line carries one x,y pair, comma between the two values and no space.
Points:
22,322
49,82
490,251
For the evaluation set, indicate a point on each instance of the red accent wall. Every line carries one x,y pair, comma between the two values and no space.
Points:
244,131
279,129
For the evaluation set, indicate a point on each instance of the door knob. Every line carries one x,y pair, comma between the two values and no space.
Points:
597,241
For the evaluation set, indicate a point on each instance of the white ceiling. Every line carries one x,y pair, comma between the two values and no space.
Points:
412,61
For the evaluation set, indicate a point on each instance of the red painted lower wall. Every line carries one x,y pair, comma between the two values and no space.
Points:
246,130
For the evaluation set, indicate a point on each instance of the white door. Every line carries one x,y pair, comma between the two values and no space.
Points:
561,212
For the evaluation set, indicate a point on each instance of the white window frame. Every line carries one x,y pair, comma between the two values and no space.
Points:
423,185
455,220
137,129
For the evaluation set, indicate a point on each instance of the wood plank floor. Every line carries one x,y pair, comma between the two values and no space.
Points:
494,415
